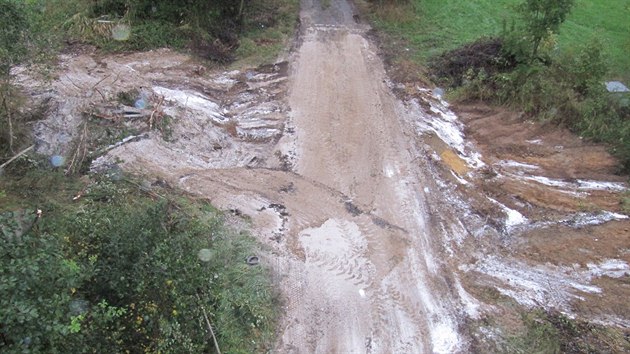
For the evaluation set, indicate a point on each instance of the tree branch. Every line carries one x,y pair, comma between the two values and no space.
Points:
16,156
205,316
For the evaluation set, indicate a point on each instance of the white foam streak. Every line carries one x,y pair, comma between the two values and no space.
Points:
514,218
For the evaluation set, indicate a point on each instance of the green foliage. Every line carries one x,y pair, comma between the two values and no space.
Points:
542,18
569,91
35,283
525,69
539,336
117,270
585,69
432,27
13,35
537,26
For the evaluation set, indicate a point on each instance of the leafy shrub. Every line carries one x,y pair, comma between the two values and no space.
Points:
562,87
541,18
118,271
34,282
13,35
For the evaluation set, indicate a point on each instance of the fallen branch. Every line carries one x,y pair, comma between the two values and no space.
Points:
115,113
16,156
205,315
101,80
9,119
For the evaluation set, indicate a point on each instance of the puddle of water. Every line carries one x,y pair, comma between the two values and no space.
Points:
456,163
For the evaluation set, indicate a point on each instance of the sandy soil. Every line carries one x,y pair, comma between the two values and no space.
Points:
386,217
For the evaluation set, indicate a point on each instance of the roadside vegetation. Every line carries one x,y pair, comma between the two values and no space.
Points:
547,59
103,261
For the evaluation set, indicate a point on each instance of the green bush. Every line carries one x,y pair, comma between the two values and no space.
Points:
13,36
562,87
34,281
118,271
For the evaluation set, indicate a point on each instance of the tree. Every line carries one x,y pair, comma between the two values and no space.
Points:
543,17
12,36
13,50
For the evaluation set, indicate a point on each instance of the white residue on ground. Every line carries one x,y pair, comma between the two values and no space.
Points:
471,305
444,338
441,323
614,268
459,179
590,219
579,220
453,235
513,217
226,79
443,122
517,165
548,286
578,184
194,101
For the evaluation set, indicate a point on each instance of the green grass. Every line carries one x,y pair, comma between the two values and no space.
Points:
608,20
268,30
435,26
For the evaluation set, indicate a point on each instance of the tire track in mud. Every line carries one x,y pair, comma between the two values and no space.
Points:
349,137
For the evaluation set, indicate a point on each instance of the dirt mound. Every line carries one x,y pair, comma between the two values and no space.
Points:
485,54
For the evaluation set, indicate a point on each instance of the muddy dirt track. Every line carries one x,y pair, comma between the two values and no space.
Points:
370,277
386,227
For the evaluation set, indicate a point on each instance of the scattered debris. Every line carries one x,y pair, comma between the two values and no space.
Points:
616,86
252,260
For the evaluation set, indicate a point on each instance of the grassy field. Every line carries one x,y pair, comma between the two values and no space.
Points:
430,27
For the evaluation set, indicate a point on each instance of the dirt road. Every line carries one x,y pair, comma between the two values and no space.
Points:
339,195
369,281
386,228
